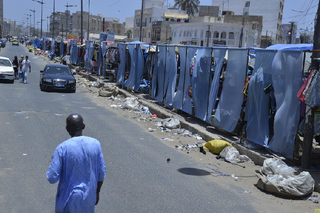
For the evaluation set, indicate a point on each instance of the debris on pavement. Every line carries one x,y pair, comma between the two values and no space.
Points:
131,104
314,198
171,123
167,139
277,177
232,155
108,90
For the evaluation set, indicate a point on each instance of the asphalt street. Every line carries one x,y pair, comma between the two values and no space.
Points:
139,178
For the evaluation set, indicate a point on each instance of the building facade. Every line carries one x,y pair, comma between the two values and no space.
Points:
9,27
129,25
228,31
271,11
150,15
112,25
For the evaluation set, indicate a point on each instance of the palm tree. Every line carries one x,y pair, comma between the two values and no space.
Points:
191,6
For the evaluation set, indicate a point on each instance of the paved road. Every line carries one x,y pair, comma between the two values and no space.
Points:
139,179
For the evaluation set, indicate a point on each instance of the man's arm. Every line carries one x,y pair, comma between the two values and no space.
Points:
98,190
53,173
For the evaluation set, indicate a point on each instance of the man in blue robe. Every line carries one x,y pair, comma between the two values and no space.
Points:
78,165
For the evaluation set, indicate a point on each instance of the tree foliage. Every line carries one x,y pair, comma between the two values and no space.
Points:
190,6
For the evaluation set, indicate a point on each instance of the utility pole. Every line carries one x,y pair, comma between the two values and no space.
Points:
208,35
103,22
241,34
141,16
47,26
309,121
81,21
88,21
54,11
291,31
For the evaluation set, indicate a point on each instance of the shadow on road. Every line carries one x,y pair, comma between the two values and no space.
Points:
194,172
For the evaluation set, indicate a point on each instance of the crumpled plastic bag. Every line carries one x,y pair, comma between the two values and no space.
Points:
277,177
273,166
131,103
108,90
171,123
232,155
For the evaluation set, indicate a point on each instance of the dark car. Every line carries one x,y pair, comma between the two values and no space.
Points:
2,43
57,77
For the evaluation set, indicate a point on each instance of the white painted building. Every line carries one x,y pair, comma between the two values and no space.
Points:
220,33
271,10
129,25
153,11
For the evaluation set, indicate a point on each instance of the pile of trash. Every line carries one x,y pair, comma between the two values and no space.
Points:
170,125
106,90
277,177
86,83
225,150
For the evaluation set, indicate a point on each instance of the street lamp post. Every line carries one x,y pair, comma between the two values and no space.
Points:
41,2
34,21
29,15
27,25
67,23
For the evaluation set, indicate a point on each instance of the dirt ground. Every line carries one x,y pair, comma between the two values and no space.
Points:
241,175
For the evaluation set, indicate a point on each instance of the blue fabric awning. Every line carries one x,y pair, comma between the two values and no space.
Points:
291,47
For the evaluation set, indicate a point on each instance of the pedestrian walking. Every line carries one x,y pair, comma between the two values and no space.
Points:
26,68
20,69
78,165
15,64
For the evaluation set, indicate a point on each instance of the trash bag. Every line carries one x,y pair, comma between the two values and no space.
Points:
108,90
232,155
131,103
276,177
171,123
216,146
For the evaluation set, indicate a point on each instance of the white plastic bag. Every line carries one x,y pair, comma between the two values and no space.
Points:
232,155
284,180
272,166
171,123
131,103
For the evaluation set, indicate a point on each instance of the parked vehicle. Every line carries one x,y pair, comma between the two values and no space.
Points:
6,69
57,77
2,44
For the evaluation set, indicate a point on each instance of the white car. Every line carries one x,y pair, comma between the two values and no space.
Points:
6,69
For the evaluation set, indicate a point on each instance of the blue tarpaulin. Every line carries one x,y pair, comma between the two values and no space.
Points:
291,47
201,80
231,99
121,70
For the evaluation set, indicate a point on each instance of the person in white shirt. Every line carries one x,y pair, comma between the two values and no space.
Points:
26,68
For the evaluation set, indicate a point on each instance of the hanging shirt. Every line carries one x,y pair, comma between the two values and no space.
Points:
78,165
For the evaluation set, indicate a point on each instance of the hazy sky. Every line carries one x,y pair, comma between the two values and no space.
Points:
300,11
